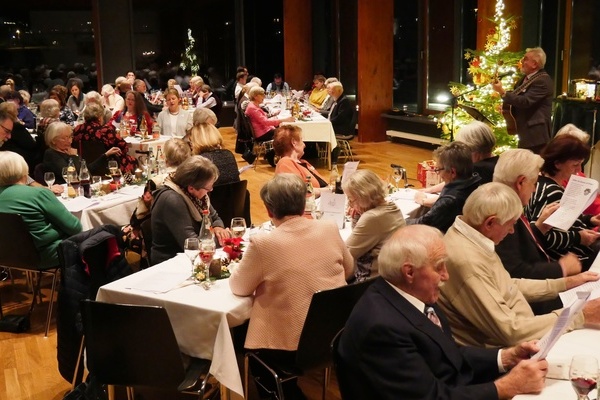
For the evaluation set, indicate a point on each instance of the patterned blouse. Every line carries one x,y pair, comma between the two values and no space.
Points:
107,134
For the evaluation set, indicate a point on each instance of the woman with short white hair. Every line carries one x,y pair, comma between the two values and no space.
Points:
48,221
481,140
50,112
112,99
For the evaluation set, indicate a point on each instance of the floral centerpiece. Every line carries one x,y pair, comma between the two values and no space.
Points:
221,268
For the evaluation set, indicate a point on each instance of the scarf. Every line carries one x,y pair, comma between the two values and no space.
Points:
195,206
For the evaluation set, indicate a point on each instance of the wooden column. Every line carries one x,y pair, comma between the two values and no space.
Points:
375,55
297,42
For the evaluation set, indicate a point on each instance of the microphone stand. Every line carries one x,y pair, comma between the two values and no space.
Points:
454,105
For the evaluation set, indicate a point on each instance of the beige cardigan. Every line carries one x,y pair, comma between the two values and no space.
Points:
284,268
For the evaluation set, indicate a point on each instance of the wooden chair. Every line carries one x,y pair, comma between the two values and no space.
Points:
327,315
17,251
259,148
134,346
231,200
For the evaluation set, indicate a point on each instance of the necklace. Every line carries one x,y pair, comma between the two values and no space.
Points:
177,113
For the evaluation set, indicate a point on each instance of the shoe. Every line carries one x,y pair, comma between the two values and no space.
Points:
270,157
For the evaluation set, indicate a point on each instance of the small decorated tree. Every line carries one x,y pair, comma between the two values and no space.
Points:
188,57
485,66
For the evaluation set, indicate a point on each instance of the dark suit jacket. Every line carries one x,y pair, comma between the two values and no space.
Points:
341,116
391,350
532,109
152,108
485,169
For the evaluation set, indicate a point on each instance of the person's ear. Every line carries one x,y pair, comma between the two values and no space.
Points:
408,271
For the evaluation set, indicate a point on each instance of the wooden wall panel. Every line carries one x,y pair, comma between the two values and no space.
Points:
485,12
375,67
297,42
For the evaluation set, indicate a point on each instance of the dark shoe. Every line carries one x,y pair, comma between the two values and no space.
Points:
249,157
270,157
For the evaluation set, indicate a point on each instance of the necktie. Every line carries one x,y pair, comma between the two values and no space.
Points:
433,316
526,222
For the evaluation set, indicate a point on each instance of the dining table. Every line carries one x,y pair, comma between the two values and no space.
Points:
113,208
558,386
201,318
139,147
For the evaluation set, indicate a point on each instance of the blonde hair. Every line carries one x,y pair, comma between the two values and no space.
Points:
204,115
176,151
205,137
366,188
11,109
13,168
50,108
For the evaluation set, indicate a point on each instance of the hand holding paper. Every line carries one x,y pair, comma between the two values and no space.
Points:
579,194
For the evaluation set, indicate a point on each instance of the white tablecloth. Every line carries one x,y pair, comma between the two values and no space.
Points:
201,319
114,208
137,144
582,341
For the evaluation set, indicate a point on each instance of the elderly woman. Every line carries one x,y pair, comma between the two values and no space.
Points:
174,120
94,97
59,93
206,140
46,218
50,112
289,146
376,219
134,112
563,157
178,207
93,129
283,290
24,114
20,140
76,99
319,92
481,140
112,99
196,83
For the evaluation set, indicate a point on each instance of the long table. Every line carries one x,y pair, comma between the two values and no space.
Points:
582,341
201,318
137,145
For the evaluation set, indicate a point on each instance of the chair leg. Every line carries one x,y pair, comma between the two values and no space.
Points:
111,392
130,393
246,373
79,364
326,380
50,301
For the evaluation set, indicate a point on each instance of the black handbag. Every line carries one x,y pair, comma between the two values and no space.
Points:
15,323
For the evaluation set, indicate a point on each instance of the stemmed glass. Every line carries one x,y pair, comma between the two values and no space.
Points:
49,178
207,252
583,375
397,176
65,174
113,166
191,248
238,227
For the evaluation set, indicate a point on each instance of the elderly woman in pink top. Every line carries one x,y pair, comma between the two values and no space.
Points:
284,268
263,126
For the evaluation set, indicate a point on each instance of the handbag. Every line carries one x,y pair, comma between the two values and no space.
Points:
15,323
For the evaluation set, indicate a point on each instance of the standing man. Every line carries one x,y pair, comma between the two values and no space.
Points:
397,343
530,102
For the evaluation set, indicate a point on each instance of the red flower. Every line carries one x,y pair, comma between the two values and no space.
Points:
233,248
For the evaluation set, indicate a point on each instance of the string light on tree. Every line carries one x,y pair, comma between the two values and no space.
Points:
189,58
484,66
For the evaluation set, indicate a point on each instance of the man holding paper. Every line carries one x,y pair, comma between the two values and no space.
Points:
484,305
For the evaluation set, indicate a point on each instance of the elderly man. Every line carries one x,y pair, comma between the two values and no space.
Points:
140,86
397,342
455,167
328,102
6,126
529,104
484,305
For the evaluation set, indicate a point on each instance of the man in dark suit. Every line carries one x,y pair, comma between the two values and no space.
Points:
341,116
531,101
390,349
522,253
140,86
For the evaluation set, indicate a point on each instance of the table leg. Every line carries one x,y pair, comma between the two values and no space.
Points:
329,155
227,394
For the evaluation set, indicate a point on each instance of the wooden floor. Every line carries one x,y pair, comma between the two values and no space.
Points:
28,360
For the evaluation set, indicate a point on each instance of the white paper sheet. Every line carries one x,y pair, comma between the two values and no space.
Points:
163,282
579,194
349,168
333,207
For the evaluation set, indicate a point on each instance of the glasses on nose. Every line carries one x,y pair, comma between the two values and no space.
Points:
210,189
6,130
438,170
70,137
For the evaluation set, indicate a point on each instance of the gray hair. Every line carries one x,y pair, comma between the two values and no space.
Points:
257,80
478,136
409,244
25,95
50,108
54,130
92,96
255,91
330,80
366,188
93,111
196,171
284,195
539,55
570,129
107,89
202,115
455,155
13,168
514,163
492,199
176,152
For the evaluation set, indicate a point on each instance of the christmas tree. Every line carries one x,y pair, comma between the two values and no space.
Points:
188,57
484,67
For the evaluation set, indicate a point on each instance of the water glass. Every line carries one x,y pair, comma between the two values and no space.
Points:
191,248
49,179
238,227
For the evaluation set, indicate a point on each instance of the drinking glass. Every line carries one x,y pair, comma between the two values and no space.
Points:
113,166
207,252
49,178
191,248
116,176
96,183
65,174
397,176
238,226
583,375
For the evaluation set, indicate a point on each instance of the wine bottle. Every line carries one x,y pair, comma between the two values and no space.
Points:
84,178
206,231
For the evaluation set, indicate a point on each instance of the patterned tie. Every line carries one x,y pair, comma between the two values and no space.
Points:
433,316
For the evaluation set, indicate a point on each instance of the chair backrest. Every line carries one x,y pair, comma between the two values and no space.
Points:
231,200
347,379
131,345
247,126
327,315
17,249
38,174
91,150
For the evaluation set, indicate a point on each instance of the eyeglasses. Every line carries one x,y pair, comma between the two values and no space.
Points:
210,189
6,130
438,170
70,137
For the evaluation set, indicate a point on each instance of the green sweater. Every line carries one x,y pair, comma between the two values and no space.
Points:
48,220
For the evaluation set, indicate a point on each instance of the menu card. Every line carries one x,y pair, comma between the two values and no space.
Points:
333,207
579,194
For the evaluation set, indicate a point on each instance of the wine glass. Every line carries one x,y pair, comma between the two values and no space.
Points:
49,179
116,176
207,252
583,375
65,174
397,176
191,248
113,166
238,226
